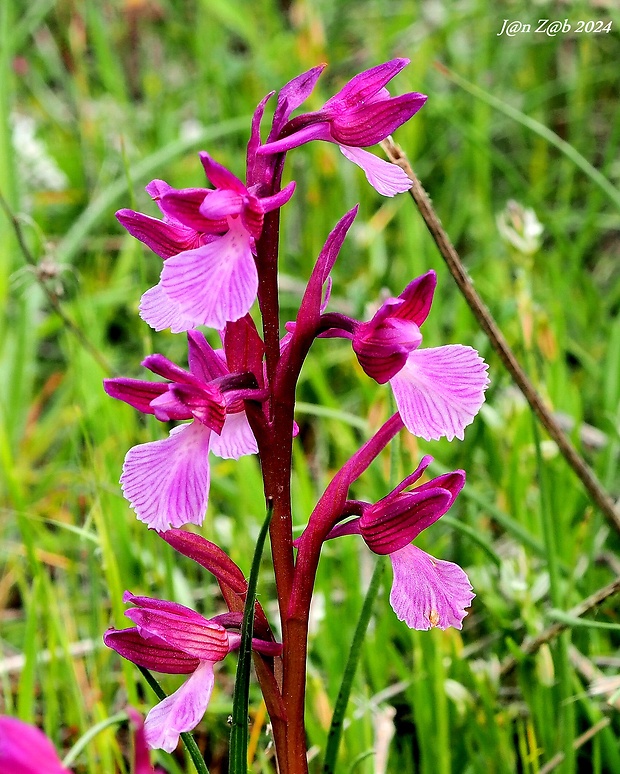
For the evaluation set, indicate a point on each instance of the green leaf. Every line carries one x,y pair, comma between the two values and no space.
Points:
238,757
335,731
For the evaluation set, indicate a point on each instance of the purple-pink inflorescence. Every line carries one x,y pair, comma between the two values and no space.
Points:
219,247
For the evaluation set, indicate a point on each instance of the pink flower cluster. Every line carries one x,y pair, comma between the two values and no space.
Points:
219,247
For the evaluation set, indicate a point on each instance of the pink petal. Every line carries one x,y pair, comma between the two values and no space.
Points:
209,556
219,175
160,312
152,653
221,204
181,711
439,391
385,177
293,94
216,283
179,627
428,592
183,206
163,238
365,85
167,482
390,526
236,438
417,299
136,392
24,749
373,121
205,362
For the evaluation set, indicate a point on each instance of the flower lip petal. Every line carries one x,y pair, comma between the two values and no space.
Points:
215,284
440,390
386,178
181,711
167,481
428,592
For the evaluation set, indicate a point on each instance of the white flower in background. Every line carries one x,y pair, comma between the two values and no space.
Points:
520,227
36,168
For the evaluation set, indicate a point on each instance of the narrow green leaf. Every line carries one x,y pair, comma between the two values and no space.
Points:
86,738
573,621
542,131
238,756
335,731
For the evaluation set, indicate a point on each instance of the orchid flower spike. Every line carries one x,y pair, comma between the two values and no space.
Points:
207,242
362,113
167,481
438,391
426,592
173,639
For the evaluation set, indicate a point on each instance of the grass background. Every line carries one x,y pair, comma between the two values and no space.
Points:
121,91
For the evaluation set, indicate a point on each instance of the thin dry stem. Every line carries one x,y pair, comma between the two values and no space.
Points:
531,645
51,297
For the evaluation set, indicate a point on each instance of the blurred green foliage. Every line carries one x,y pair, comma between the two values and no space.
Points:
98,97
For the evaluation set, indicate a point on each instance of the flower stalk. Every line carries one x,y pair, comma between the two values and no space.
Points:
220,250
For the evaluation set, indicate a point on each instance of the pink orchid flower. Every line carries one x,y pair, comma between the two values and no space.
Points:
25,749
438,391
426,592
207,242
173,639
167,481
362,113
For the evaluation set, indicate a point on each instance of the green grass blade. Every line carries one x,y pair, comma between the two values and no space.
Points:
241,699
92,732
335,730
542,131
573,621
